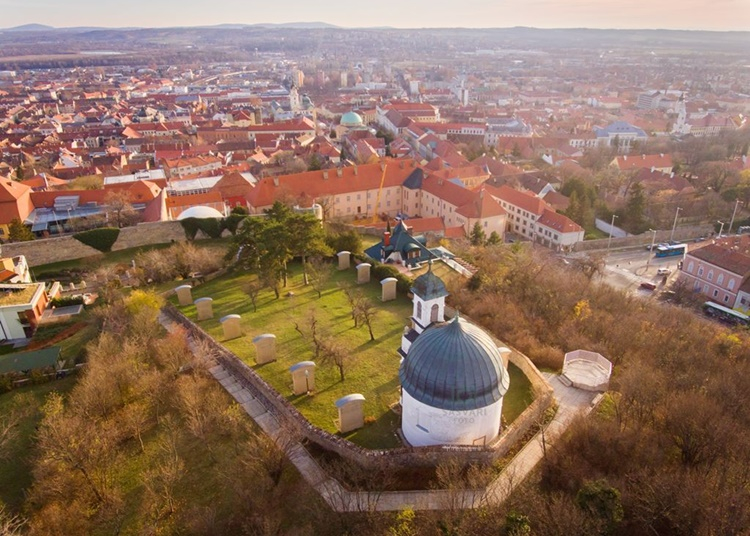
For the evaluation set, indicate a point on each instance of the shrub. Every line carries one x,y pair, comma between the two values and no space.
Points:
345,241
381,271
100,239
211,227
191,226
232,222
67,300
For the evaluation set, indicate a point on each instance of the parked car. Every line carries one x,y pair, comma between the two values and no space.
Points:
663,271
648,285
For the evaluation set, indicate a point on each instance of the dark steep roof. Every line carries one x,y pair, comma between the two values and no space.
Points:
428,286
454,367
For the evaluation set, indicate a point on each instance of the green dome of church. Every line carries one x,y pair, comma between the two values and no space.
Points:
351,119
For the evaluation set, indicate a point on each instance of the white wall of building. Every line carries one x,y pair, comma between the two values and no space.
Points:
423,425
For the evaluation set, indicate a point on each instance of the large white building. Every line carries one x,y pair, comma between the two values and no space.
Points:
452,375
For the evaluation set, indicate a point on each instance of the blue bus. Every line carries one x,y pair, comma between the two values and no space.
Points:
668,250
725,314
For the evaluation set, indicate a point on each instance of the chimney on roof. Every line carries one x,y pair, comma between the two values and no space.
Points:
325,174
624,157
653,169
382,166
275,181
339,172
356,170
661,155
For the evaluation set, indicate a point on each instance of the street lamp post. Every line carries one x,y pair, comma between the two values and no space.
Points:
676,214
611,227
651,250
734,212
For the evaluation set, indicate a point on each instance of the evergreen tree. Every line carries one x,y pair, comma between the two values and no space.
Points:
478,235
634,216
494,239
18,232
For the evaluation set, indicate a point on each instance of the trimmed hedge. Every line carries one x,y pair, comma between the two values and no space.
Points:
380,271
100,239
64,301
211,227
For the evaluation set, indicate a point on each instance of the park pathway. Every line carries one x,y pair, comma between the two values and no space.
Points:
571,402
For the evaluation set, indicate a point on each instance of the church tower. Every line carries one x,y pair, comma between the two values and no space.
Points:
428,307
295,104
681,128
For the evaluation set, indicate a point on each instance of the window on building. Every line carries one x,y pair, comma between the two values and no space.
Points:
726,298
710,275
348,198
419,309
720,279
716,292
731,284
691,265
700,271
705,289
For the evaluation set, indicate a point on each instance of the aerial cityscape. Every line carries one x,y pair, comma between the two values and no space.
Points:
396,271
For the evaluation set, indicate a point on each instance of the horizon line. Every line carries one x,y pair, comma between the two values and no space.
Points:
375,27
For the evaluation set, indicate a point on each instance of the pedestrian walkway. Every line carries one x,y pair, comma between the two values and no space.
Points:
571,402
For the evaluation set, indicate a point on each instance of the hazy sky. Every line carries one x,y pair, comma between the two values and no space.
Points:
673,14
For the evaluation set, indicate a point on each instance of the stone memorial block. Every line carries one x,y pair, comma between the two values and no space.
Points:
505,354
205,309
351,412
184,294
82,284
265,348
303,377
363,273
344,259
72,286
231,325
388,288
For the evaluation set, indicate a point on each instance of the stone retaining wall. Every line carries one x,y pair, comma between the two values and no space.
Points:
286,413
67,248
644,239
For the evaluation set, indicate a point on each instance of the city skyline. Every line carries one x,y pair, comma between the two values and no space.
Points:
720,15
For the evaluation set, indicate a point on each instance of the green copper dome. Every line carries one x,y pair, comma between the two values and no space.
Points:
351,119
455,367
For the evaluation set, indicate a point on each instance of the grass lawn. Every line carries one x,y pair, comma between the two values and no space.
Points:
15,469
123,256
373,367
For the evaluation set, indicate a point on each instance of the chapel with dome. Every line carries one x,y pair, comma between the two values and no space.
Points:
452,375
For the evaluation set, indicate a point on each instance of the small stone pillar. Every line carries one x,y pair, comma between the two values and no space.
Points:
388,288
505,354
351,412
205,309
231,325
303,377
184,294
265,348
363,273
344,259
82,284
72,286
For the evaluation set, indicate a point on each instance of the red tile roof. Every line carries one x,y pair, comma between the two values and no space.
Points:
314,184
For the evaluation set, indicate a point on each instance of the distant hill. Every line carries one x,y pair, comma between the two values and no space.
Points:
30,28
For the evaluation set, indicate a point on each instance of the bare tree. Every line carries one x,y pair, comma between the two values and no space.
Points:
319,272
366,312
331,351
252,289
